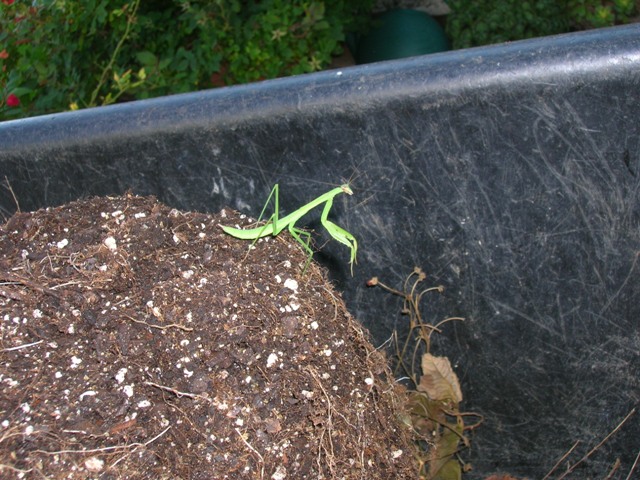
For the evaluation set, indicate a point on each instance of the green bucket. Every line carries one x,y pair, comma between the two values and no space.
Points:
400,33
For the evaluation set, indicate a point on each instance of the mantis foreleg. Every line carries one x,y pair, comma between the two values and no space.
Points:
339,233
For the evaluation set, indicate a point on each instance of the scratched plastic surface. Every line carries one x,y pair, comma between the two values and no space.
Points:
510,173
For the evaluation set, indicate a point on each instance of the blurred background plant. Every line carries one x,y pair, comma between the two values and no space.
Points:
67,54
60,55
472,23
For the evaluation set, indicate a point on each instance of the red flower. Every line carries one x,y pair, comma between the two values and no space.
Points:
8,2
12,100
4,54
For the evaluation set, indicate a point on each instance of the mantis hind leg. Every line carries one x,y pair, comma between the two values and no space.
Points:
275,194
273,219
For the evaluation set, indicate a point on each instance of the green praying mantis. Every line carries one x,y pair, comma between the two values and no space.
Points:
275,224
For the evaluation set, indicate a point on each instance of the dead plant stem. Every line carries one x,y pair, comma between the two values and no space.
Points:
107,449
562,459
250,447
633,467
13,194
602,442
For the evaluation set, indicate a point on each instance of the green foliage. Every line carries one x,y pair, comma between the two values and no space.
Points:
66,54
599,13
473,23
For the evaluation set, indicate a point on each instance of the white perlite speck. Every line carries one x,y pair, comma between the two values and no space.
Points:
396,454
94,464
187,274
120,375
110,243
280,473
271,360
88,393
291,284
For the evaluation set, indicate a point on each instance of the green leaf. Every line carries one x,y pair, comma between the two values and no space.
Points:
449,471
20,91
164,63
147,58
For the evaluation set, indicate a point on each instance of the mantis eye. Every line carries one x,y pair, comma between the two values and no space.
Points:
346,189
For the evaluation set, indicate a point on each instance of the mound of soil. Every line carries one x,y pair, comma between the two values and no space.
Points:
141,342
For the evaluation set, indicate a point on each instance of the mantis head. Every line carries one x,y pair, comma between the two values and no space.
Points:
346,189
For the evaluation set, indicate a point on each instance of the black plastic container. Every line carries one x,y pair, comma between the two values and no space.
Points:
510,173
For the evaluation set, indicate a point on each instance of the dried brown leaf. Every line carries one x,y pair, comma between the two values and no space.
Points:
438,379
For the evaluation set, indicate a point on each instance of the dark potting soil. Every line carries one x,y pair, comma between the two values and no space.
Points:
141,342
